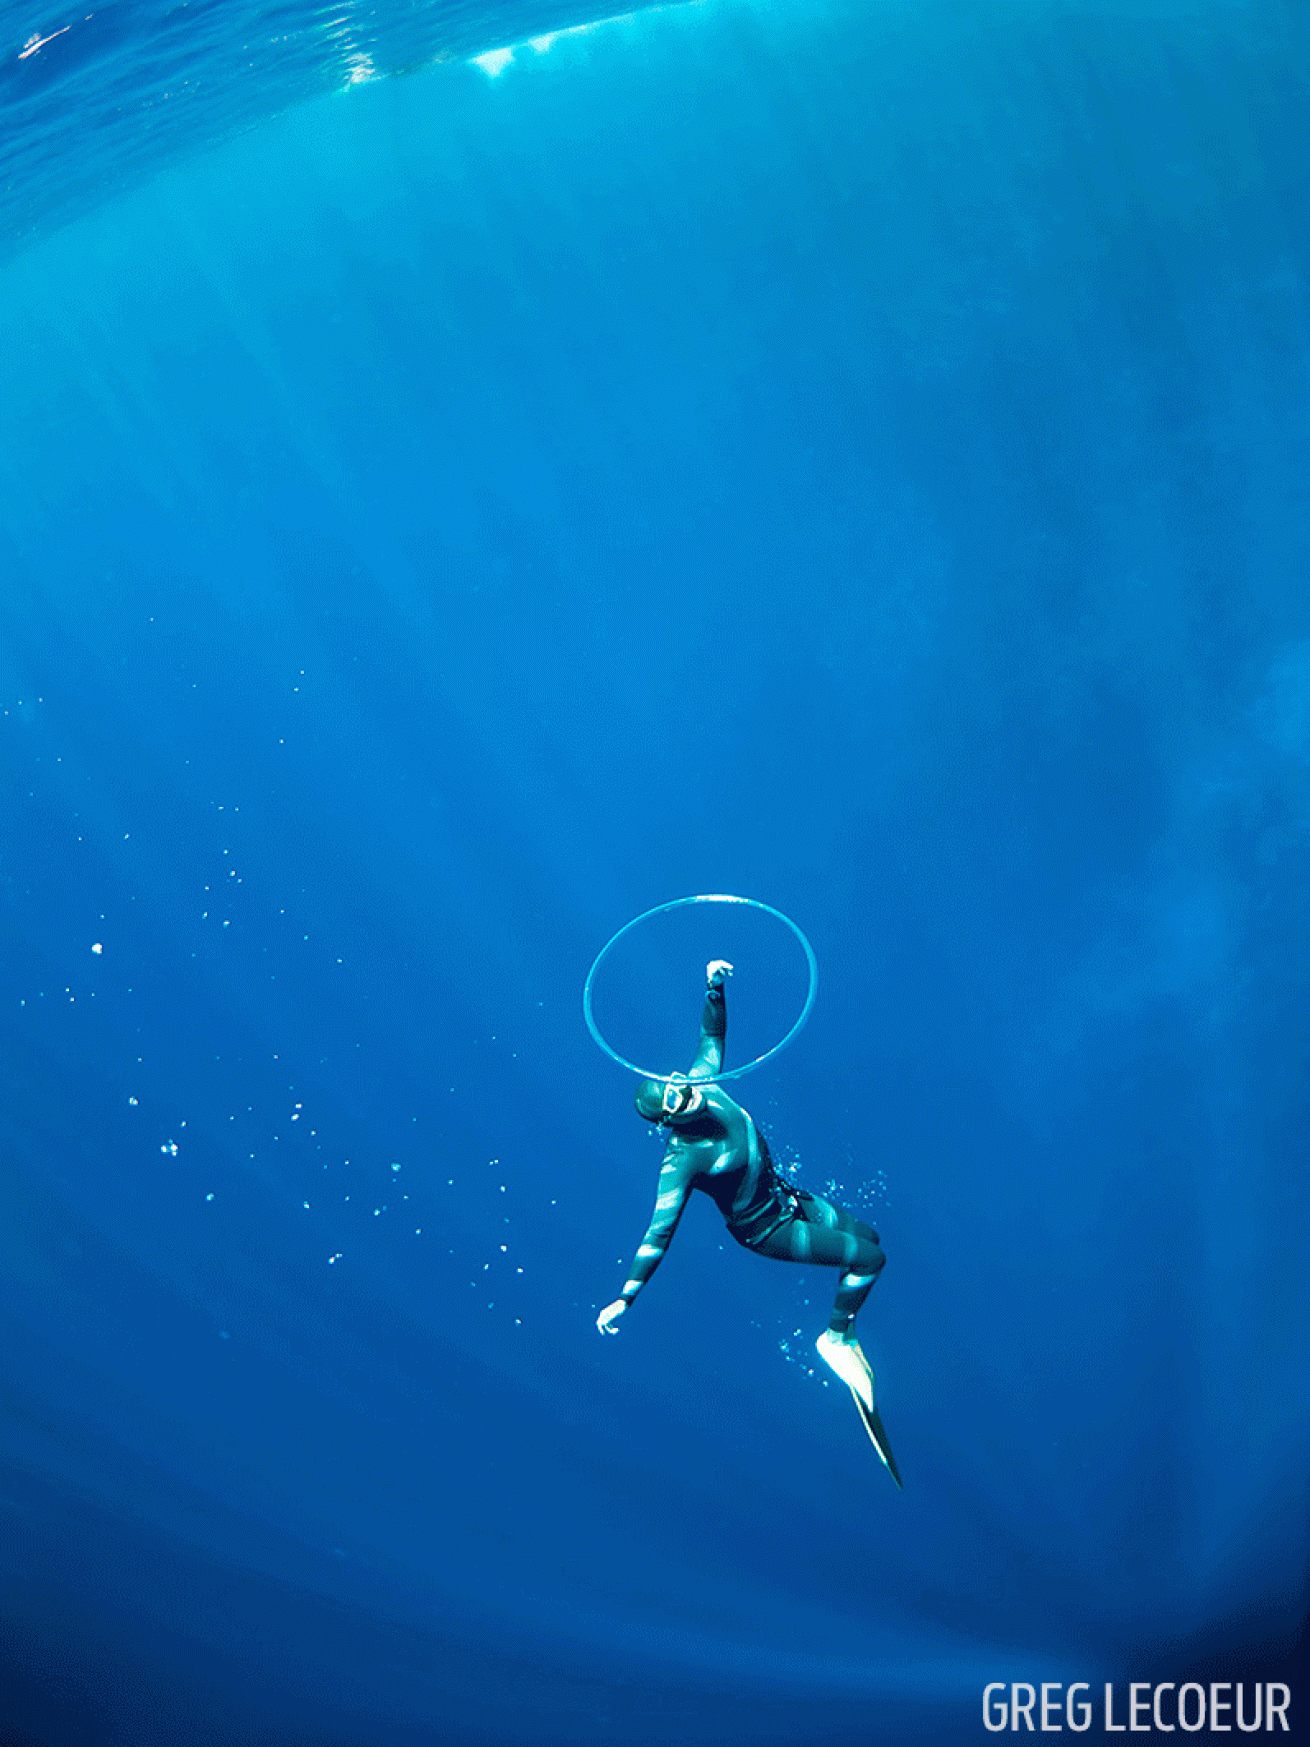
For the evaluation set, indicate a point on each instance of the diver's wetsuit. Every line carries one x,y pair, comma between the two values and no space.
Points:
720,1151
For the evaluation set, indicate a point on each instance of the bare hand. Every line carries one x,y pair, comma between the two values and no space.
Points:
607,1321
716,971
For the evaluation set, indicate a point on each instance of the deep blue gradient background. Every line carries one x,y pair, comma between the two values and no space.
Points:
854,456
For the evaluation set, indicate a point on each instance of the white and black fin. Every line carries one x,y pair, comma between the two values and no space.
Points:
844,1356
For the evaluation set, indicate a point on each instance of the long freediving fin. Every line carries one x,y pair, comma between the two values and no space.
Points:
872,1422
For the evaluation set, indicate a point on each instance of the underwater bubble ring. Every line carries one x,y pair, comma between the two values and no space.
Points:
679,904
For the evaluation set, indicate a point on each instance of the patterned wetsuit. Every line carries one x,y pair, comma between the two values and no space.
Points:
720,1151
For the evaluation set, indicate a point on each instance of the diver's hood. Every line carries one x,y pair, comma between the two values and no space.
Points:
649,1100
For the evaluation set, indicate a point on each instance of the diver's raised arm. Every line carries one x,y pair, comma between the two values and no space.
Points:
670,1200
713,1022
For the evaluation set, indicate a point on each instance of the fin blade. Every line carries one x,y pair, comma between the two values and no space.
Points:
872,1421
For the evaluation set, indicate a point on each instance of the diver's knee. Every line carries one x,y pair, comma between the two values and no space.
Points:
868,1267
856,1280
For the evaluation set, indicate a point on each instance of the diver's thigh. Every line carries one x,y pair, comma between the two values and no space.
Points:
817,1211
804,1240
849,1241
828,1213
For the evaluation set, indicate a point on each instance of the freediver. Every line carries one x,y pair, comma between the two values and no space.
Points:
714,1146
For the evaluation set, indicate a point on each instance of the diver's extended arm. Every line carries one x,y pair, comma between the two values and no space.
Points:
713,1022
670,1200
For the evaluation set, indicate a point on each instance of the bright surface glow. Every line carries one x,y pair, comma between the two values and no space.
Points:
494,62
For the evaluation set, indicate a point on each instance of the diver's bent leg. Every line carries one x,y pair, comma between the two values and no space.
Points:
833,1238
837,1345
829,1234
829,1237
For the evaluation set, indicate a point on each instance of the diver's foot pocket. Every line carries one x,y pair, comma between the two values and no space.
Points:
843,1355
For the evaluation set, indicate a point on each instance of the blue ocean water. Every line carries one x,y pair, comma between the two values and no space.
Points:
854,456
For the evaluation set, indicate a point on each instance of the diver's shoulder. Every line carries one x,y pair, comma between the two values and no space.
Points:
725,1108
